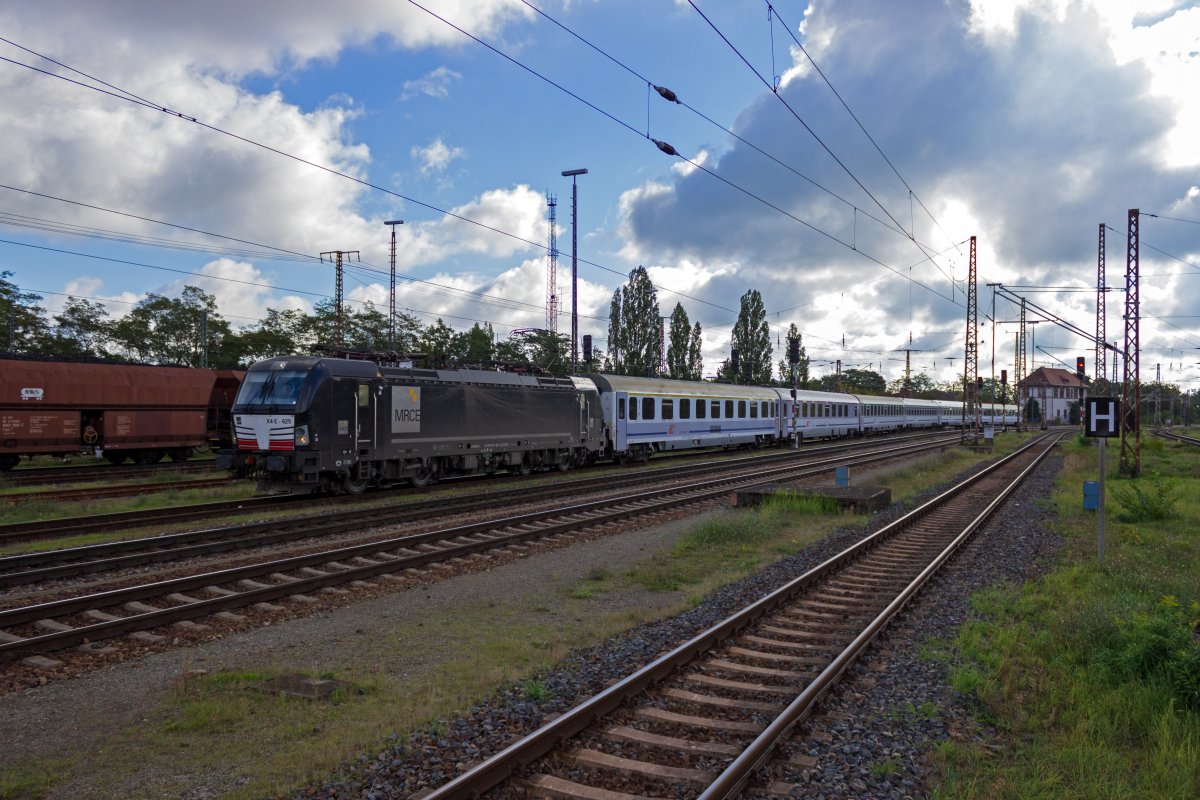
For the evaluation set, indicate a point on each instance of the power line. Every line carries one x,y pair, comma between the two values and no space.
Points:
811,132
854,116
671,151
121,94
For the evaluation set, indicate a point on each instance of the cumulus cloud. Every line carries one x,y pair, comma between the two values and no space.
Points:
189,58
435,156
1025,128
435,83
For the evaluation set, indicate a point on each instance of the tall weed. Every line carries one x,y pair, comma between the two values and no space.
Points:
1147,506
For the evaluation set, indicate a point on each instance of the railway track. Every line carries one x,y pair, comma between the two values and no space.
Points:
98,523
45,476
54,625
119,490
1177,437
712,718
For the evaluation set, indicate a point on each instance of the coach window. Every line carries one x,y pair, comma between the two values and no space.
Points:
701,407
647,408
668,409
753,410
728,409
364,395
633,407
685,408
715,408
620,408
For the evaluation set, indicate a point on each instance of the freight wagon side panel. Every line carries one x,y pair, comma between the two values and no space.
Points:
128,430
38,430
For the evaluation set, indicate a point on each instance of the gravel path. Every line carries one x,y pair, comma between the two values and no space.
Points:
873,739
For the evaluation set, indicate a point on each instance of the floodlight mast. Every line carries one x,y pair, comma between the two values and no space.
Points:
573,175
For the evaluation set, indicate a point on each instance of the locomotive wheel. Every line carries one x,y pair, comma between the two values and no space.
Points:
422,478
524,468
353,486
116,457
564,463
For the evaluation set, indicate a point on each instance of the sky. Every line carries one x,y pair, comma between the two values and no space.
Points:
835,156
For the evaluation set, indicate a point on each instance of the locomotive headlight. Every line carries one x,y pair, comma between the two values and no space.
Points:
301,435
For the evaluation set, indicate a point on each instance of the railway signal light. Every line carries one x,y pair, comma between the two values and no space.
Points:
587,349
747,372
733,361
1004,377
1079,367
979,383
794,351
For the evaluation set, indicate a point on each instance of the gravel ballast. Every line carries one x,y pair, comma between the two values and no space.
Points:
866,724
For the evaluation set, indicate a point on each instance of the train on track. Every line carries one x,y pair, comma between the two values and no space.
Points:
118,411
308,423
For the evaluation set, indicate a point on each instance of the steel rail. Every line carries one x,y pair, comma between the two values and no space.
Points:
499,767
121,490
572,518
68,562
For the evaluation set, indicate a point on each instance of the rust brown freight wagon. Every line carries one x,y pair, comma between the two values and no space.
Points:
115,410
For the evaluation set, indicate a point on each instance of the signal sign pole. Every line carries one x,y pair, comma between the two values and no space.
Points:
1103,422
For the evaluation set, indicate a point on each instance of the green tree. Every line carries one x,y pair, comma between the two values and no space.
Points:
679,339
478,345
437,341
81,329
752,338
22,321
536,351
695,358
279,333
799,371
635,327
863,381
165,330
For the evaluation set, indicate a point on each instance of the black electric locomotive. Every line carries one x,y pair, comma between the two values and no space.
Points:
304,423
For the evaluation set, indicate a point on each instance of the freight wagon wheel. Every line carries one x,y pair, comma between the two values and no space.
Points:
180,454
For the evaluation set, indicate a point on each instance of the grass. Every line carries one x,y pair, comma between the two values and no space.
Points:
1091,675
418,670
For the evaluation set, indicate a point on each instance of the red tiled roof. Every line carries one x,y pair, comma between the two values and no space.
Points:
1049,376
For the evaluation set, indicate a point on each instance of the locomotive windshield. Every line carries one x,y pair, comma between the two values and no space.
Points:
279,387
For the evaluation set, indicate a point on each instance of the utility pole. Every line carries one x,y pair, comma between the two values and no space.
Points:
971,360
574,174
1101,336
1131,434
552,266
392,288
340,325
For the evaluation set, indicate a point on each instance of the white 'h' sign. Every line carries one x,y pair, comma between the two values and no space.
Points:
1103,417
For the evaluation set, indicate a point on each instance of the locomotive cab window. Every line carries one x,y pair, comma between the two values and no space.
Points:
647,408
278,387
364,395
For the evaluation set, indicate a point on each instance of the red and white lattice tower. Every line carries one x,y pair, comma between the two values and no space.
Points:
1131,394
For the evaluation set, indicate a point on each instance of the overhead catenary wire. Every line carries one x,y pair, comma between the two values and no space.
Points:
671,151
811,132
912,194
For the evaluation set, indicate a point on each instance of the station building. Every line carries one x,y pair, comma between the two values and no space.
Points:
1055,390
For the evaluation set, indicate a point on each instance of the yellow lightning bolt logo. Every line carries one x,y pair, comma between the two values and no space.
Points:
412,393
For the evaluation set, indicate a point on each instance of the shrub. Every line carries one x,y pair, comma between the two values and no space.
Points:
1146,506
1158,644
